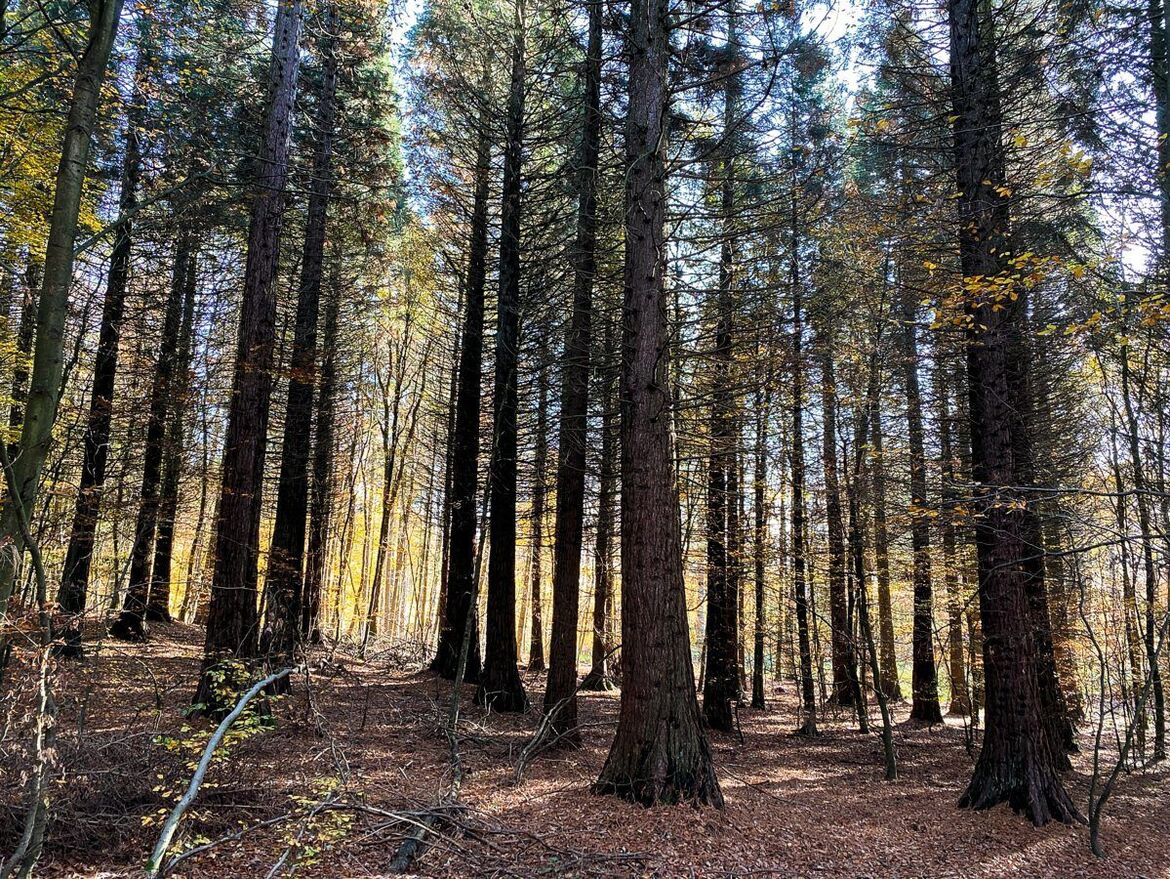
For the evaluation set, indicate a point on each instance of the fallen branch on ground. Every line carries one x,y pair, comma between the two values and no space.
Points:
153,866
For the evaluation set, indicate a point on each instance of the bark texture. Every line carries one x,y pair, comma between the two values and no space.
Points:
660,753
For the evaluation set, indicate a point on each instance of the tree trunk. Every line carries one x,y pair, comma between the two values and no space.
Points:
1149,570
500,686
321,486
887,657
808,725
536,640
1019,763
844,663
25,332
79,555
760,538
232,613
956,666
131,623
602,674
158,605
660,753
465,457
924,683
570,491
40,406
285,587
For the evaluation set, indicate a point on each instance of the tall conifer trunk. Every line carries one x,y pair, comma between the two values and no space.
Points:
96,444
465,456
131,622
660,753
1019,761
924,684
500,686
570,491
158,605
285,587
232,613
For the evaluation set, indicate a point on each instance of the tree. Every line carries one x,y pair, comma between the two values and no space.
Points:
131,622
660,752
560,696
465,455
232,615
75,583
500,686
1018,763
40,409
285,588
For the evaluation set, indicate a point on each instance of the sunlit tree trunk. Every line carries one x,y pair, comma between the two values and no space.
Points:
500,686
232,612
39,410
660,752
285,587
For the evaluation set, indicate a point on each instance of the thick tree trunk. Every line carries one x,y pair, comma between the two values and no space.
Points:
465,456
96,444
660,753
40,406
131,623
500,686
285,587
560,692
1019,762
232,613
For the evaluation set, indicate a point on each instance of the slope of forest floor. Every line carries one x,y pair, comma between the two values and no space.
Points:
355,761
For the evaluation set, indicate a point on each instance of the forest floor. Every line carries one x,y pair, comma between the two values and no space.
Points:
352,765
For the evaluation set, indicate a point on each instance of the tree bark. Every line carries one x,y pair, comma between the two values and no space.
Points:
500,686
285,587
660,753
1019,762
570,490
232,613
40,407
